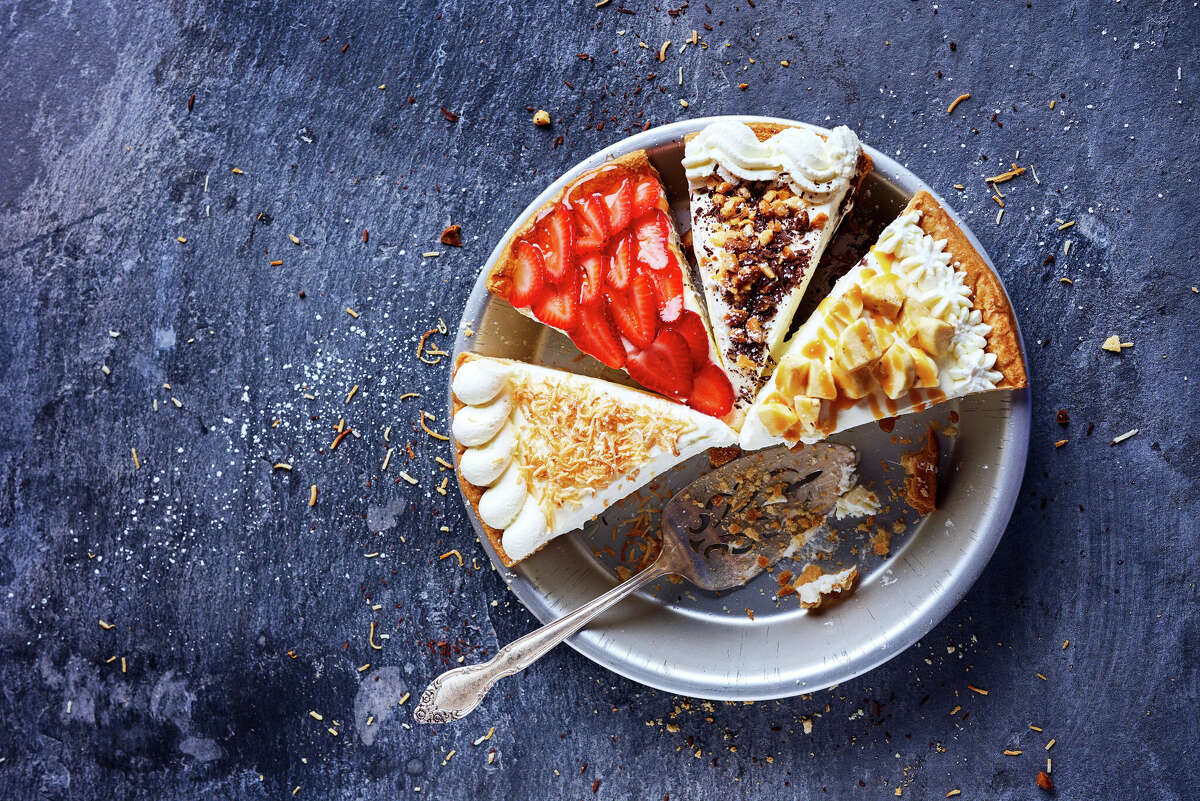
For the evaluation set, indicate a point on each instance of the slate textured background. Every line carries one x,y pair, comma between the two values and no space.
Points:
216,572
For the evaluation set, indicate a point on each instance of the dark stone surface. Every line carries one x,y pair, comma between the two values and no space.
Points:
215,571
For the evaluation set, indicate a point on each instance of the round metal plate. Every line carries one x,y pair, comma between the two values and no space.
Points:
747,644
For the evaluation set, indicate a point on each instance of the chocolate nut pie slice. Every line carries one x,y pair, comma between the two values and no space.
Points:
765,201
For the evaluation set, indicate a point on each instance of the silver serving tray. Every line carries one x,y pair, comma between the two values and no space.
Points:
747,644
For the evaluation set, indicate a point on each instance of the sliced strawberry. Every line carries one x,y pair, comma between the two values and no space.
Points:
528,275
691,327
646,195
591,223
561,244
653,234
711,392
595,336
636,314
591,267
620,263
620,207
668,288
558,308
665,366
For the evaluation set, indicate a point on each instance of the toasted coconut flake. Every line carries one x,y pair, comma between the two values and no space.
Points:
352,312
975,689
453,553
429,430
1008,175
957,100
433,351
312,495
1116,441
338,439
371,637
387,459
295,239
281,466
578,442
407,477
104,624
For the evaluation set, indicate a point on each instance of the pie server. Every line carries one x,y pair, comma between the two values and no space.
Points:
718,532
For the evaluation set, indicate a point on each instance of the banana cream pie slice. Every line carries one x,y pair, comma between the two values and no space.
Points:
766,200
541,451
921,319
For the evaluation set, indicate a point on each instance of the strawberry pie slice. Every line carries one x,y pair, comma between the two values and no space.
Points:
601,263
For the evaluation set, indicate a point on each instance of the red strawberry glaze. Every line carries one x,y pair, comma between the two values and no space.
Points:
599,266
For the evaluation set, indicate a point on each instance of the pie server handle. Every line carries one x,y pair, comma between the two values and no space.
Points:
456,692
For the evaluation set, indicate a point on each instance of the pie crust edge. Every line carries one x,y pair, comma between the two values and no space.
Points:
987,294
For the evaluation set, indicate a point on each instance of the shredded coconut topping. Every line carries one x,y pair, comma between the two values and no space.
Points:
576,440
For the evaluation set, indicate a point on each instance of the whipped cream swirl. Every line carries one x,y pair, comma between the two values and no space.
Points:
813,166
484,425
925,263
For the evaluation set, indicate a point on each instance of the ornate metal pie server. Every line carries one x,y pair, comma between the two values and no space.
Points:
718,532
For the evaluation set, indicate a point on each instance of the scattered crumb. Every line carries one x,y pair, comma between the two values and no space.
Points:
1114,344
921,475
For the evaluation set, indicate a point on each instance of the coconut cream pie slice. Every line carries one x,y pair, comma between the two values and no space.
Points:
766,200
541,451
921,319
600,262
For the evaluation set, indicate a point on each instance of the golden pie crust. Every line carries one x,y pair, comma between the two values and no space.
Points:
987,295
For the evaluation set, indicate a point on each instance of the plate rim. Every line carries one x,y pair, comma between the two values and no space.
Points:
917,622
